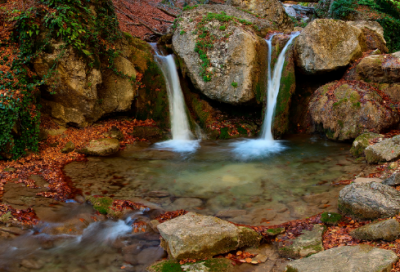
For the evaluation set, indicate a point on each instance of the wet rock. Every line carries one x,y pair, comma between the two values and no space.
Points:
211,265
393,180
369,200
158,194
148,133
115,133
198,236
230,213
387,230
326,45
153,224
101,147
361,143
186,203
344,111
346,259
237,61
387,150
274,231
32,264
150,255
69,147
308,243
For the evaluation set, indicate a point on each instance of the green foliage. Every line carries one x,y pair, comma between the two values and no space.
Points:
222,27
190,7
72,22
182,32
234,84
331,218
343,8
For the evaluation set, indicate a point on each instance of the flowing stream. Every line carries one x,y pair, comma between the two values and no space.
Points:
182,138
265,145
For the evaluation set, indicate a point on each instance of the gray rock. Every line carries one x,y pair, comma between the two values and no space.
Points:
346,259
393,180
326,45
387,150
158,194
361,143
387,230
310,242
230,213
101,147
369,200
69,147
198,236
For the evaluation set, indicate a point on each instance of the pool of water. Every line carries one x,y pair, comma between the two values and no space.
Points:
292,183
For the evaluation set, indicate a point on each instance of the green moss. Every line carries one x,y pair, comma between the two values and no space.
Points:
213,265
100,204
234,84
275,231
241,130
224,133
248,238
340,123
331,218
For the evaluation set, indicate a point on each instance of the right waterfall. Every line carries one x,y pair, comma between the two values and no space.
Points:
265,145
274,83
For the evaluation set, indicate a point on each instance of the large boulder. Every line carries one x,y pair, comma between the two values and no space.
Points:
198,236
346,259
387,150
272,10
387,230
346,109
101,147
362,142
373,33
379,68
326,45
219,50
369,200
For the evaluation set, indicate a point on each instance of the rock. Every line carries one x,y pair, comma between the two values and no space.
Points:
387,150
367,180
115,133
310,242
331,218
326,45
198,236
32,264
230,213
379,69
290,10
272,10
101,147
346,259
150,255
233,69
186,203
158,194
387,230
393,180
211,265
369,200
373,33
361,143
274,231
345,110
148,133
69,147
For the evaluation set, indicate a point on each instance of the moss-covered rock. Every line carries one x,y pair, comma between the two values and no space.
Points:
100,204
101,147
274,231
331,218
361,143
387,150
211,265
387,230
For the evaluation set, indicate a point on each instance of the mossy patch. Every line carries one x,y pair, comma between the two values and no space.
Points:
330,218
275,231
100,204
211,265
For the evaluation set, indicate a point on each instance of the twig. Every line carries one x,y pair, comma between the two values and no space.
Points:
162,20
166,11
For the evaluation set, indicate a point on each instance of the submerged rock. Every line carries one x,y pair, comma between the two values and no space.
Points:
393,180
232,66
346,259
387,230
310,242
326,45
361,143
369,200
198,236
387,150
101,147
346,109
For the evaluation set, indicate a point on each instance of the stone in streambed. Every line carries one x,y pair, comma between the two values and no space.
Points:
387,150
387,230
69,147
369,200
393,180
310,242
363,258
361,143
211,265
198,236
101,147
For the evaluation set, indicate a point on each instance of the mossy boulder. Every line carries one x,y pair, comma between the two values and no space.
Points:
198,236
211,265
308,243
379,69
388,230
361,143
346,109
101,147
384,151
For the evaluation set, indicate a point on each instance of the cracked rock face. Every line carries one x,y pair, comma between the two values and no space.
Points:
236,54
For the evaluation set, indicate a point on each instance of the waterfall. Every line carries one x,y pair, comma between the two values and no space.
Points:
273,87
265,145
182,137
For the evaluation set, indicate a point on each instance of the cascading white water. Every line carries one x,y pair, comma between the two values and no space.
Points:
182,137
265,145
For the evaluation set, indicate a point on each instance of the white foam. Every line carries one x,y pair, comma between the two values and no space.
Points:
180,146
256,148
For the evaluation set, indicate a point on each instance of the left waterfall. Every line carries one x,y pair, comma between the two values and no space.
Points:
182,138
